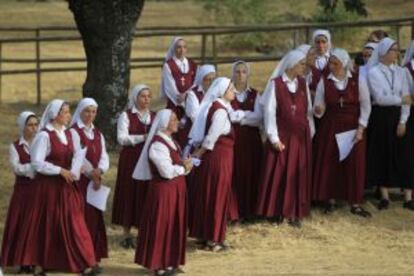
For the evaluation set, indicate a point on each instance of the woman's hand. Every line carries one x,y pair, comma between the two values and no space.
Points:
198,153
319,110
359,134
67,175
407,100
401,129
96,176
279,146
188,164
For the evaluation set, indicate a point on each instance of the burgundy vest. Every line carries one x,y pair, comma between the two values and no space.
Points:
94,146
317,75
350,98
223,140
198,94
174,154
292,108
60,154
183,81
24,158
248,104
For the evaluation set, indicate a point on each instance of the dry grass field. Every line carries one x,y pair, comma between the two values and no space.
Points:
339,244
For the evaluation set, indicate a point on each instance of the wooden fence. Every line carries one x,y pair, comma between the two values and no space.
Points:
40,35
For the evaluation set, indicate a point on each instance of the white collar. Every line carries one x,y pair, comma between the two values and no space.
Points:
184,60
389,67
285,78
167,138
23,141
326,55
332,77
135,110
50,127
82,125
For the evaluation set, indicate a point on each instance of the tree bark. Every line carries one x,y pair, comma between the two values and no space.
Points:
107,28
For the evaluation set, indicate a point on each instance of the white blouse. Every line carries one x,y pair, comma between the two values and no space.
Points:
41,148
18,168
322,61
364,98
387,85
192,105
103,164
270,107
168,82
123,136
251,118
159,154
220,125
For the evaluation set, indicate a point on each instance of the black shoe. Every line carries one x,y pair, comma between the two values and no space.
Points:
89,272
276,221
383,204
97,269
26,269
295,223
359,211
329,208
409,205
170,272
128,243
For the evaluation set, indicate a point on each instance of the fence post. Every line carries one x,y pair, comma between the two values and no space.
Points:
38,73
397,33
214,50
203,48
1,57
307,35
295,38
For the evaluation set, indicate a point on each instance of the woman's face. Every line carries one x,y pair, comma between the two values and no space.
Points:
241,73
321,45
63,118
143,100
88,114
180,49
335,66
229,95
173,123
30,128
208,80
299,68
392,55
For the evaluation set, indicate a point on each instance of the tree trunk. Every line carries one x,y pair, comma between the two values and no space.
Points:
107,28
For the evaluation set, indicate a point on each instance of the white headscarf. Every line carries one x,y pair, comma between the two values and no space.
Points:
382,49
288,61
50,113
135,91
22,120
142,169
409,54
324,33
171,51
343,57
84,103
217,89
371,45
203,71
234,65
304,48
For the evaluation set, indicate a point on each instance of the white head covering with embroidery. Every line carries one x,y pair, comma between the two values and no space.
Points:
217,89
85,102
50,113
22,120
142,169
382,49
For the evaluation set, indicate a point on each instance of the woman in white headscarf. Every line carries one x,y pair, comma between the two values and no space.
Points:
163,227
311,54
343,102
213,132
178,75
58,234
321,40
85,134
20,203
389,147
248,146
132,131
284,188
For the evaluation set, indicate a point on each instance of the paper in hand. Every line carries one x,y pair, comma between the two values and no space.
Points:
99,197
345,141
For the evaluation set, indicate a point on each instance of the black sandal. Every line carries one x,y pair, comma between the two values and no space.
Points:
383,204
359,211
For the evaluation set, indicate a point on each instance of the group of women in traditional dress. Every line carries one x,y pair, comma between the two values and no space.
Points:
220,152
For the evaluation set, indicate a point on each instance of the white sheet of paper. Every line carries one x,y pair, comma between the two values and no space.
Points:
77,162
97,198
345,142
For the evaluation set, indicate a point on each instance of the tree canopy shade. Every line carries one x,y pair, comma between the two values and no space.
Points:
107,28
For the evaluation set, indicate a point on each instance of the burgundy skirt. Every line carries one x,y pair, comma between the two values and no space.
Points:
58,235
13,250
286,179
129,197
248,154
95,222
212,186
163,228
333,179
